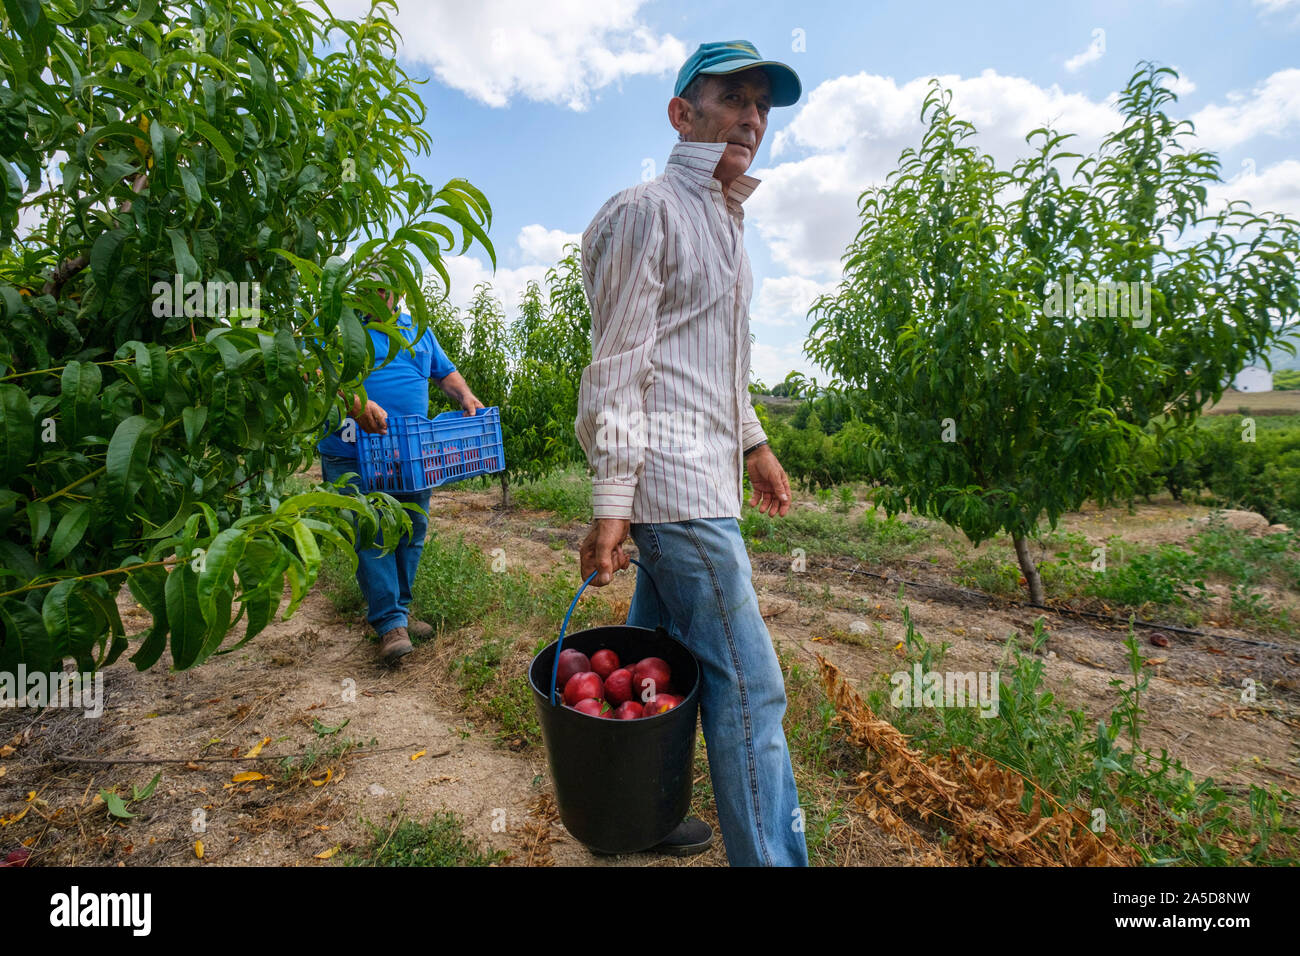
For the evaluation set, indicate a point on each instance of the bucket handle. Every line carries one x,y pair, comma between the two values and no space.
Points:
555,667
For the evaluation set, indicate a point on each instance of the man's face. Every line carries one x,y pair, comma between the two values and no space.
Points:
733,109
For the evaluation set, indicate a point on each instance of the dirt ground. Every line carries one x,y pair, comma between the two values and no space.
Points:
416,749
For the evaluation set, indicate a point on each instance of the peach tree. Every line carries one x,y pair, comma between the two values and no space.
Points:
199,200
1010,334
529,367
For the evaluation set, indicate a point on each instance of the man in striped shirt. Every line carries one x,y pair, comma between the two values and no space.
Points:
665,418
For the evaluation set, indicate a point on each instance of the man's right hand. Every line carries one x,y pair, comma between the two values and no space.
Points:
372,418
602,549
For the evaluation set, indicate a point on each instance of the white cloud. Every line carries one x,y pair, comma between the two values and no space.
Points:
1095,51
849,134
536,248
855,127
1268,8
550,51
1272,108
783,302
508,285
539,244
1276,189
769,364
1181,86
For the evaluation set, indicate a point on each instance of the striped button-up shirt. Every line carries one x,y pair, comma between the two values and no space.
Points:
664,412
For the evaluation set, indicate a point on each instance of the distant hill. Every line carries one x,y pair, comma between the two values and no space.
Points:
1282,361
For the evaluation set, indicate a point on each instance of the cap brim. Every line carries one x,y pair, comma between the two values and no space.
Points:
786,88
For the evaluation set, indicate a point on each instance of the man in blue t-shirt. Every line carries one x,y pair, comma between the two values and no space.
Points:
399,388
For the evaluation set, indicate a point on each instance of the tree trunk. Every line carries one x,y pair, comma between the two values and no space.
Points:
505,493
1028,569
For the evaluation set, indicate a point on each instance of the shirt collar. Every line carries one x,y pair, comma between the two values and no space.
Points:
697,161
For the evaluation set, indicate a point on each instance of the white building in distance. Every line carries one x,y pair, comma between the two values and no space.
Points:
1253,378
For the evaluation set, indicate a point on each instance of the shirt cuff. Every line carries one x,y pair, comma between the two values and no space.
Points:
751,433
612,499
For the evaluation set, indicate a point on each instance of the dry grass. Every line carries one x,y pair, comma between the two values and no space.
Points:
973,799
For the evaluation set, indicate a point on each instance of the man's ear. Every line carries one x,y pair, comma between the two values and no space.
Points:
681,114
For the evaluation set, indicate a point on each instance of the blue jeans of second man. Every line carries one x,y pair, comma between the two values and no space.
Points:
705,597
385,579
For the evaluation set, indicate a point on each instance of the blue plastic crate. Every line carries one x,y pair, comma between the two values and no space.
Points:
419,453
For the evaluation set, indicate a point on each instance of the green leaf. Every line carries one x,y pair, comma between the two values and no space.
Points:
331,292
24,13
151,361
218,572
228,406
25,639
72,527
186,266
193,418
314,499
116,805
324,730
102,255
128,457
78,401
222,146
184,616
38,515
137,795
70,620
356,345
308,550
148,586
281,357
17,431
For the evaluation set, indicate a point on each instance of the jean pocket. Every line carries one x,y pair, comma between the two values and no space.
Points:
333,467
651,549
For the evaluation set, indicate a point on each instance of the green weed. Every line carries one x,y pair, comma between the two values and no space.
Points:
439,842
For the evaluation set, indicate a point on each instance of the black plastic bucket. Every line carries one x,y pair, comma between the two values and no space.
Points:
621,785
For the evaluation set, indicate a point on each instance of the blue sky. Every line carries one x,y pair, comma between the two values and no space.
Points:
551,107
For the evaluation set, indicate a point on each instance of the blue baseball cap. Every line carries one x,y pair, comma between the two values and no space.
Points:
732,56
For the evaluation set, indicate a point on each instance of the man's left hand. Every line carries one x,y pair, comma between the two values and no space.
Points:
471,404
768,478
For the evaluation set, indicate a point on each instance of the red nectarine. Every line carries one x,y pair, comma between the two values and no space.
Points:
618,686
582,686
571,662
604,662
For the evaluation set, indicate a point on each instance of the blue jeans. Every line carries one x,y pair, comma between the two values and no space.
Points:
707,601
385,579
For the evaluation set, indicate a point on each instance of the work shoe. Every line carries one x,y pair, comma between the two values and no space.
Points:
419,630
692,836
393,645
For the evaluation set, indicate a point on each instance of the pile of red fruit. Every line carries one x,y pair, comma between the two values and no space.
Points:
600,687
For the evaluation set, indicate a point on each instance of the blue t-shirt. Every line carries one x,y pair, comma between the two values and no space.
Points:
402,386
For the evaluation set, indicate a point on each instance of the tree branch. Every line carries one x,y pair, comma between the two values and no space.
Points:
68,268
